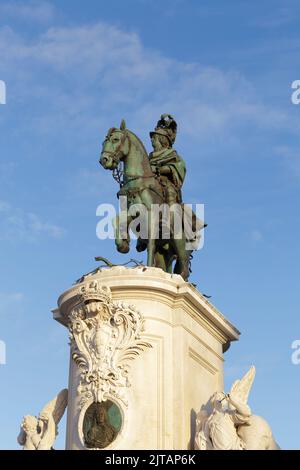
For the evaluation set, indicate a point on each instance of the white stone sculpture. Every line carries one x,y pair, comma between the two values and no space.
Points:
230,425
39,433
104,335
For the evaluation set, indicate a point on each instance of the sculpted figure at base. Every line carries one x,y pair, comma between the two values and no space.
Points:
230,425
39,433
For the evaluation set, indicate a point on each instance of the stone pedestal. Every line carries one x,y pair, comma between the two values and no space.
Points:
150,346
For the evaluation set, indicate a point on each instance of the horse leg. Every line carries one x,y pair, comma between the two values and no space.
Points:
182,263
151,252
141,245
152,238
152,222
122,238
160,261
170,257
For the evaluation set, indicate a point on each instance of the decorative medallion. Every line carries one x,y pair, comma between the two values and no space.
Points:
101,425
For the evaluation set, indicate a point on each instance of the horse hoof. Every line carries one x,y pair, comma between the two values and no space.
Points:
123,247
185,274
141,245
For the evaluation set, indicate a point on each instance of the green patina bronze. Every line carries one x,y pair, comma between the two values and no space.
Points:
148,180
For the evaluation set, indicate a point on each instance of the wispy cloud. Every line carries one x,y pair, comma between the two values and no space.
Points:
9,300
16,224
6,170
278,17
290,159
99,70
32,10
4,206
12,297
87,183
256,235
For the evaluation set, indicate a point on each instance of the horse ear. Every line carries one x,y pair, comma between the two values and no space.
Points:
123,125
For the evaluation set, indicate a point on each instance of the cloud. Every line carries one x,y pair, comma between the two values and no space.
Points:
6,170
18,225
38,227
9,300
13,297
4,206
290,159
279,17
34,10
80,78
256,235
86,183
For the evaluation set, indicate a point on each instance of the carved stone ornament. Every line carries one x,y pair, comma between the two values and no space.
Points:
104,335
40,432
230,424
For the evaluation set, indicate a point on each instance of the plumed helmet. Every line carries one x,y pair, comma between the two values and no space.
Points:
166,126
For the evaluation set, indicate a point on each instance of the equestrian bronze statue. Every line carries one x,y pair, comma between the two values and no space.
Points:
151,188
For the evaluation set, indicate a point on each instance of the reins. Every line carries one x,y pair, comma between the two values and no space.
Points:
118,174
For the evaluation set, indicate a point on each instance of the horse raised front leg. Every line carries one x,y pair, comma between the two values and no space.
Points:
122,239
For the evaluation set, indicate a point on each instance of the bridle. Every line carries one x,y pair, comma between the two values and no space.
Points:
117,154
117,172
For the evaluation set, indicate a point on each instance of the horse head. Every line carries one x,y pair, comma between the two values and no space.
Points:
115,147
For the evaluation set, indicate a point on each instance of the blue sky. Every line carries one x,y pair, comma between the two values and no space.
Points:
224,70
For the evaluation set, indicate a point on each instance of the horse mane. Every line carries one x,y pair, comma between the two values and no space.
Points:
138,140
114,129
